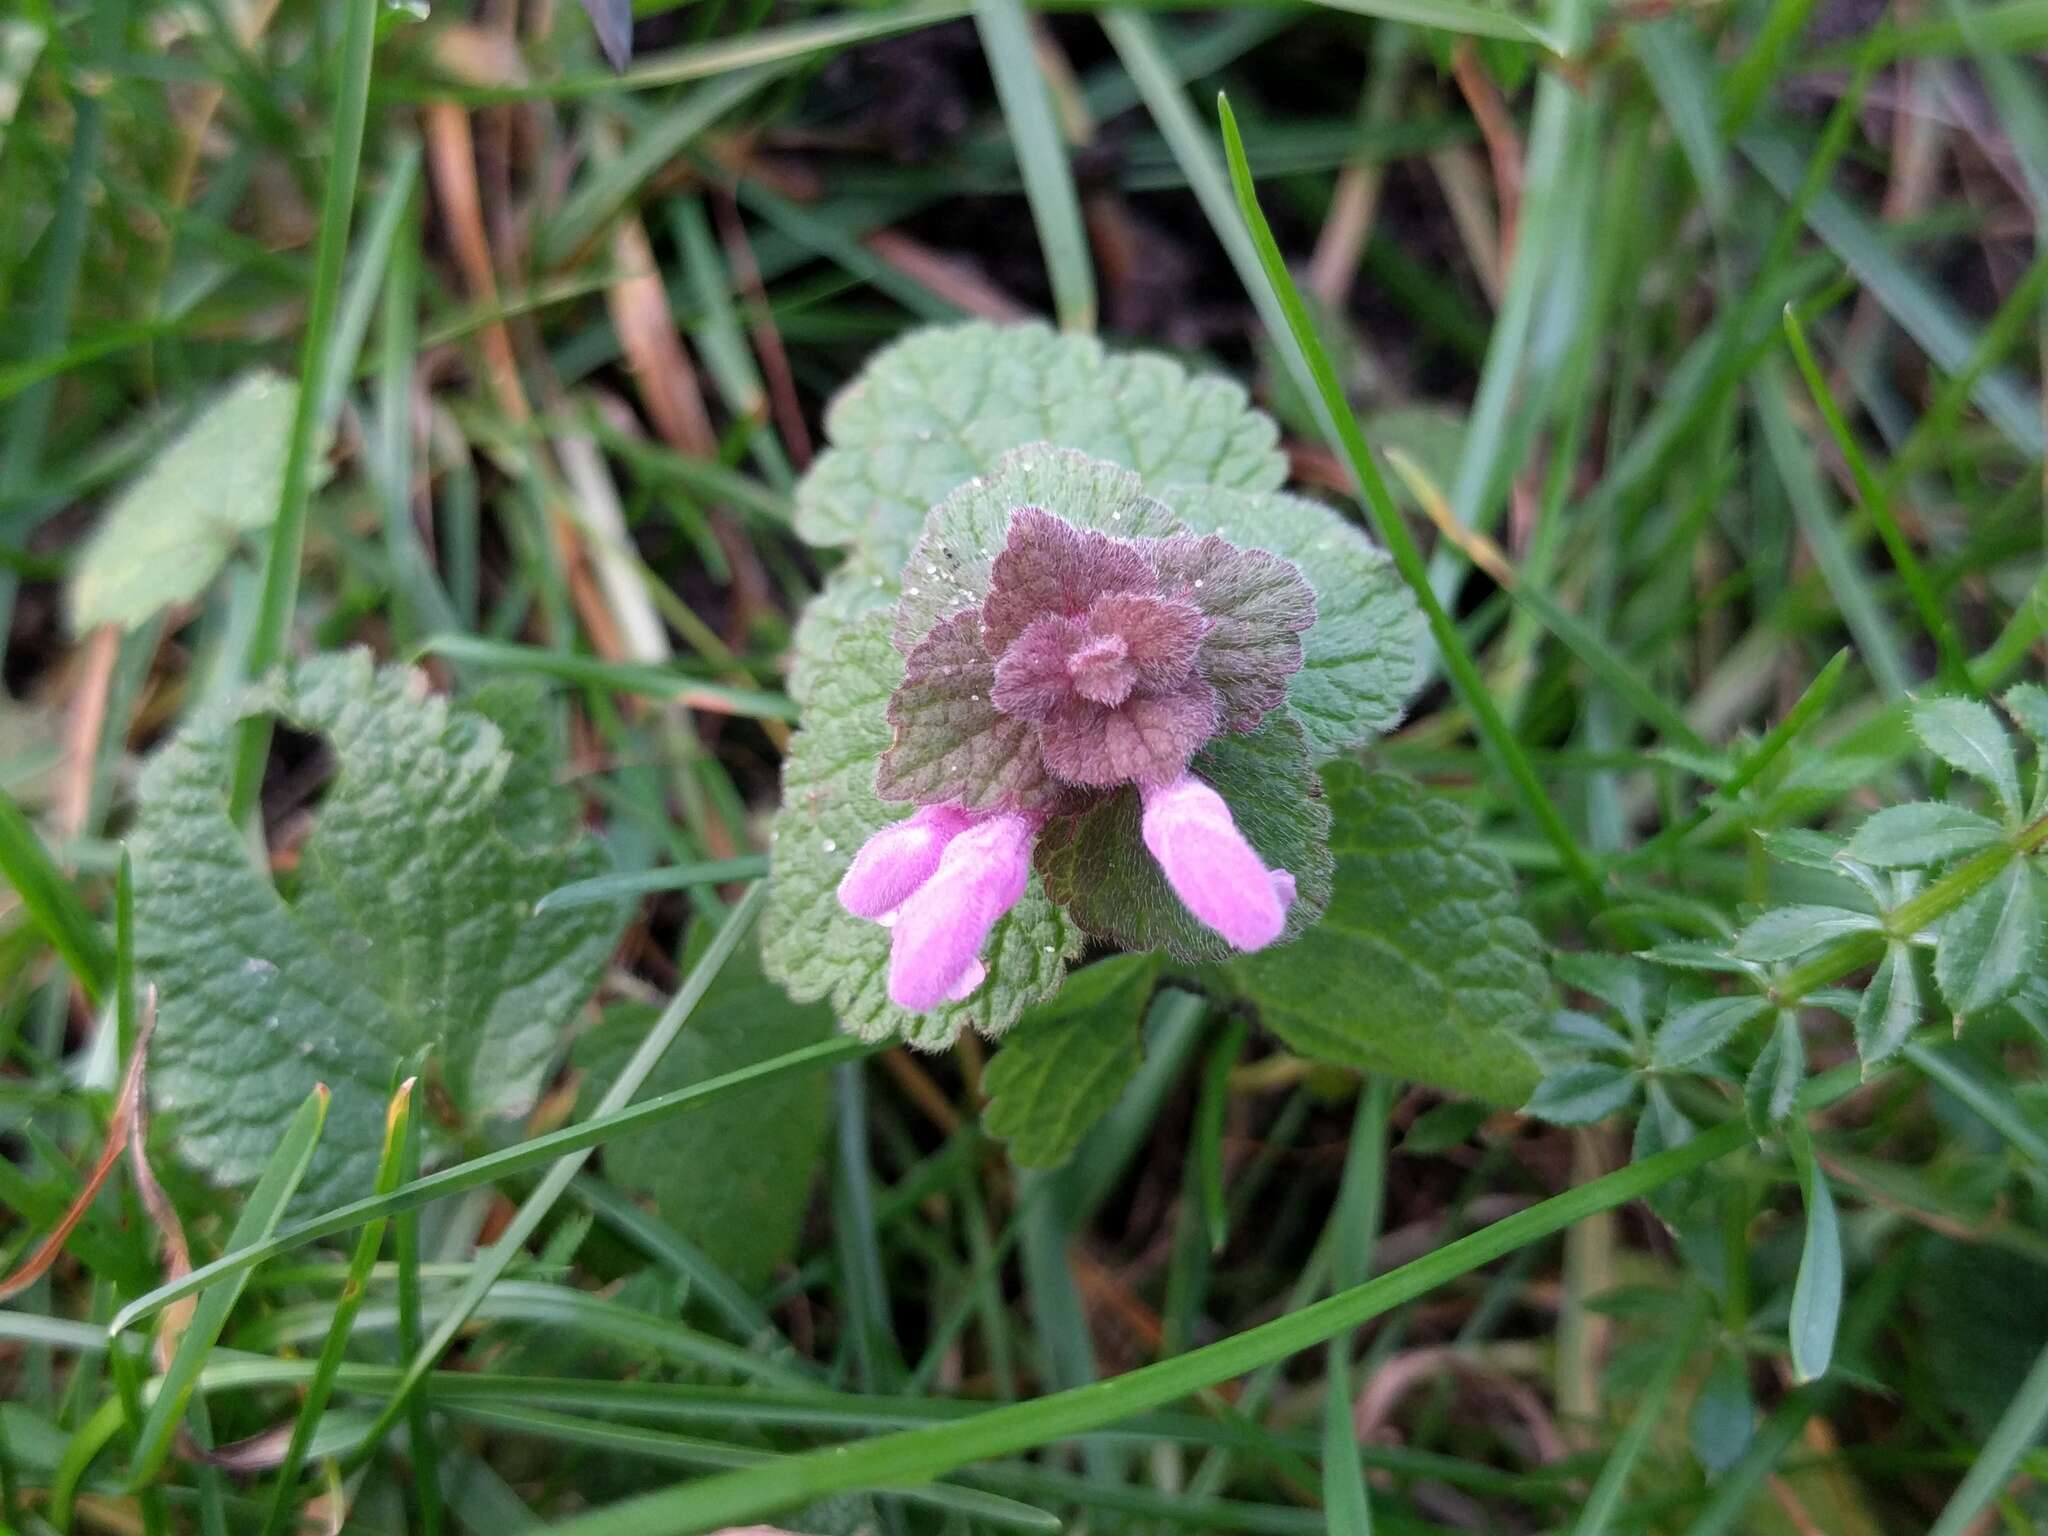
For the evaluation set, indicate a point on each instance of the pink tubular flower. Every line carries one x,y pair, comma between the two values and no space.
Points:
893,863
1212,869
939,882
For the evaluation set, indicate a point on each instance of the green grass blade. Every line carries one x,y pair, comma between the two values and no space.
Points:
682,1450
1922,310
390,1164
1597,1515
618,676
1992,1101
1041,158
1393,533
2018,1431
491,1263
1955,666
915,1455
1456,16
1863,612
270,638
1361,1206
274,1190
51,904
492,1167
405,1248
600,889
1137,43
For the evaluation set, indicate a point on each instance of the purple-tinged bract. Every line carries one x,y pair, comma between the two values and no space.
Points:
1090,665
1092,662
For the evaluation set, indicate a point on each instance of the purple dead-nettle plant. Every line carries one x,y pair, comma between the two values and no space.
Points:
1092,663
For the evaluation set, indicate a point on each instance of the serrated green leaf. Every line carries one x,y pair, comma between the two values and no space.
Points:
1817,1292
1066,1062
734,1178
1924,832
1889,1010
172,530
1774,1080
1991,943
1698,1028
1097,867
1582,1094
812,945
1421,966
1785,932
410,939
2028,704
1363,660
1582,1032
1624,984
1967,735
1806,848
945,404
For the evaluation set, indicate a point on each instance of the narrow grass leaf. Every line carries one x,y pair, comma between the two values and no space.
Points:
1006,42
390,1166
602,890
260,1213
1393,533
272,631
2018,1432
488,1170
1948,646
1596,1517
491,1263
1921,310
46,895
616,676
919,1454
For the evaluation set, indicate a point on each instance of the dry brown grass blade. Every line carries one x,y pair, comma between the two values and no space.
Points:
918,1087
33,1267
662,373
1373,1410
83,723
668,388
162,1215
768,348
1503,144
451,161
451,164
955,281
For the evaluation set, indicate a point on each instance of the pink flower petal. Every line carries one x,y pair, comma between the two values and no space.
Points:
895,861
1211,867
937,939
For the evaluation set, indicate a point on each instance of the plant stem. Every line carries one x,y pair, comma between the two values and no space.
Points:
268,640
